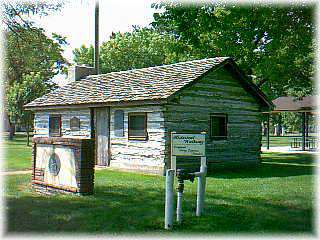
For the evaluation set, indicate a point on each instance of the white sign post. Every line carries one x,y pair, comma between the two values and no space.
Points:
185,144
168,222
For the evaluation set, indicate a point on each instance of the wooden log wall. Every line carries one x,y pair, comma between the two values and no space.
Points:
41,123
141,155
190,111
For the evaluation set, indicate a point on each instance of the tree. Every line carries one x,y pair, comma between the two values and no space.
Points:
29,51
141,48
275,44
31,86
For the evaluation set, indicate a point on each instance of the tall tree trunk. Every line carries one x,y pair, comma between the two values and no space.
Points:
12,130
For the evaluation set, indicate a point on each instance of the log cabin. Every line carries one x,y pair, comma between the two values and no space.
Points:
130,114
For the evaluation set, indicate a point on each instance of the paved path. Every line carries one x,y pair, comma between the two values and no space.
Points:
286,149
8,173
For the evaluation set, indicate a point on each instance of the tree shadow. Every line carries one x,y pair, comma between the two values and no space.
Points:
291,158
111,209
272,165
253,215
17,140
134,204
18,137
126,210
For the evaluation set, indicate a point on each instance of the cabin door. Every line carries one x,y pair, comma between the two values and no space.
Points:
102,136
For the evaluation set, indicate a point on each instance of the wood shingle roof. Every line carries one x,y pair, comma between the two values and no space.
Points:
153,83
292,104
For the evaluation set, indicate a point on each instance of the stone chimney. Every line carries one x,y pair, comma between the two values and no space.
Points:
77,72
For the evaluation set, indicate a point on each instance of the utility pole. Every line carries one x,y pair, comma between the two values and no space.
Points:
96,38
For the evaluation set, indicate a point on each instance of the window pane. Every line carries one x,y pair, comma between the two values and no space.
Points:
118,123
218,126
137,125
54,124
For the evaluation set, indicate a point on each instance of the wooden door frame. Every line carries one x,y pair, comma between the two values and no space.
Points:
108,125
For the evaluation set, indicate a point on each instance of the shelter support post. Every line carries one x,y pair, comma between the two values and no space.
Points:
268,130
303,130
307,125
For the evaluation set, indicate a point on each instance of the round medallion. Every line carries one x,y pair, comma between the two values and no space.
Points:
54,165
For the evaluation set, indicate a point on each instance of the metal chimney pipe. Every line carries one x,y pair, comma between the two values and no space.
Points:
96,38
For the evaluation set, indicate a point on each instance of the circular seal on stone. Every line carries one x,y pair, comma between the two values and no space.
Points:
54,165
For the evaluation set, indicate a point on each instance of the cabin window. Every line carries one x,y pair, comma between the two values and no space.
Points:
137,126
55,125
75,124
119,123
218,126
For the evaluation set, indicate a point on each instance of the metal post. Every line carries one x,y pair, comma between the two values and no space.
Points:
268,131
201,189
180,188
168,222
307,125
179,208
96,38
303,130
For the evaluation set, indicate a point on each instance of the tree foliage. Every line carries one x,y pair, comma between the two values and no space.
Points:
30,86
275,44
28,47
33,51
141,48
30,53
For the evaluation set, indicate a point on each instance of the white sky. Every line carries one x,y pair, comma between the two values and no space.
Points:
76,21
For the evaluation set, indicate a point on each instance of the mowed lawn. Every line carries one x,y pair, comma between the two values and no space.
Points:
277,197
17,153
276,141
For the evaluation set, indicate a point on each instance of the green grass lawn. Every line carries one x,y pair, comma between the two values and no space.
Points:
277,197
276,141
18,154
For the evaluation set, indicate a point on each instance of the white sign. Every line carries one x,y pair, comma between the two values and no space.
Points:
185,144
67,173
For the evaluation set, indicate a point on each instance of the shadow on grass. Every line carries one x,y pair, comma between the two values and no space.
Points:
272,165
118,209
18,140
265,170
114,209
134,203
297,158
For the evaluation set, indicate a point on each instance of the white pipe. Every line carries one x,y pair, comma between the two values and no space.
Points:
179,208
168,222
198,174
201,190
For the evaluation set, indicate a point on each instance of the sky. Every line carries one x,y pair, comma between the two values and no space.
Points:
75,21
